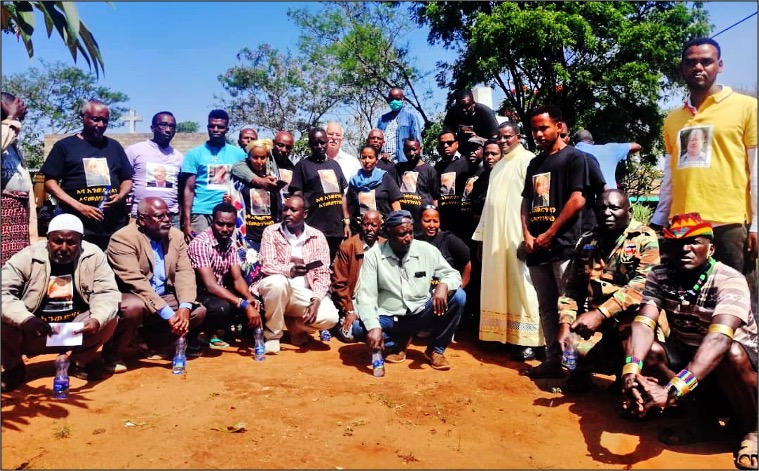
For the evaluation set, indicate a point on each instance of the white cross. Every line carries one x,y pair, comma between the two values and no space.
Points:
131,118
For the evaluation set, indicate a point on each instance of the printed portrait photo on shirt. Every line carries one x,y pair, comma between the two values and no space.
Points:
541,189
219,176
366,201
260,202
285,175
160,175
60,293
328,179
408,185
695,146
468,188
96,171
448,184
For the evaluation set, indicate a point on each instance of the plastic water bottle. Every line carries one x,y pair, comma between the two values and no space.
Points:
378,363
325,335
106,194
260,348
569,357
179,364
61,380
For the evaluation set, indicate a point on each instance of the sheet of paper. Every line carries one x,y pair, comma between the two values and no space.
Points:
63,334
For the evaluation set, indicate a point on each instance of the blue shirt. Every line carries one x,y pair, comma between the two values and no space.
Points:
212,167
158,282
608,156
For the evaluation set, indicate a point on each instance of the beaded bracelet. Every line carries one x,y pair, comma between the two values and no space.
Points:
635,360
721,329
684,383
645,320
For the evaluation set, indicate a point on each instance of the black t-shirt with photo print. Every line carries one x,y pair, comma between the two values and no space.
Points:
262,209
466,227
61,302
84,171
549,182
323,185
379,198
419,187
451,177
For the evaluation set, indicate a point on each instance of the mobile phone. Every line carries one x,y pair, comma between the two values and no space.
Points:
314,264
281,184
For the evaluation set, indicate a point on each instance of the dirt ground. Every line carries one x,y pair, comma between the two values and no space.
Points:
319,407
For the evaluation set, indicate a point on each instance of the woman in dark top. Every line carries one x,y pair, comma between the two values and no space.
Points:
371,188
454,250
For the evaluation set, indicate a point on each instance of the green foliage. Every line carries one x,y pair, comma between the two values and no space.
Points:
642,213
54,95
640,178
429,139
187,127
18,18
605,64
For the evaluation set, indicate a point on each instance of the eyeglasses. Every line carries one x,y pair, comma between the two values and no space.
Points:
217,126
447,143
429,206
158,217
284,146
166,125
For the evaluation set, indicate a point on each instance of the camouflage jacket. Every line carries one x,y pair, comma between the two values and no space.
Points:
613,285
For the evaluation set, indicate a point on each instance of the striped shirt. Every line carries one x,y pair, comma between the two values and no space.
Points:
724,292
205,251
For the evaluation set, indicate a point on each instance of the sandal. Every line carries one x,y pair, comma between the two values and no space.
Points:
217,343
747,452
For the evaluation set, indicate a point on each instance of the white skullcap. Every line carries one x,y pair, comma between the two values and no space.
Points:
65,222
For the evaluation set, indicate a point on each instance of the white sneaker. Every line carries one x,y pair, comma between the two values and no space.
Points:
272,346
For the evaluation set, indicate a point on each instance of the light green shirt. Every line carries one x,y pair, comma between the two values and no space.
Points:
390,286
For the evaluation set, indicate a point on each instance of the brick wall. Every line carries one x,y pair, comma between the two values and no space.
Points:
182,141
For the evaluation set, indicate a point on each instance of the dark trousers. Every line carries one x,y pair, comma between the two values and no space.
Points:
155,330
219,314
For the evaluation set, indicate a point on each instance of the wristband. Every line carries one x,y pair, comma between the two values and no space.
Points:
721,329
645,320
346,221
630,368
244,303
634,360
604,312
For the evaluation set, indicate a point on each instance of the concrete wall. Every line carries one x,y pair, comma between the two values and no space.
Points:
182,141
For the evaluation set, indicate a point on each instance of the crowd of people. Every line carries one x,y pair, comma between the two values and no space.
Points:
532,251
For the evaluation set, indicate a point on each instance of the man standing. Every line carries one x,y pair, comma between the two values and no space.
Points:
348,163
394,300
468,119
608,155
729,168
90,176
157,281
607,274
398,125
376,140
418,182
713,343
509,305
347,266
246,136
222,287
62,279
551,226
323,185
156,166
295,267
452,173
208,170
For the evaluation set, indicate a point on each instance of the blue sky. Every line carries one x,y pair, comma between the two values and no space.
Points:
167,55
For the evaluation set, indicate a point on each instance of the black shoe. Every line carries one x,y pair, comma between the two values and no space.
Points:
546,370
524,354
579,382
14,378
92,371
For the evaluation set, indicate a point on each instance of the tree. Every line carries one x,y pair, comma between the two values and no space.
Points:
276,91
606,64
18,18
364,42
188,127
54,95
